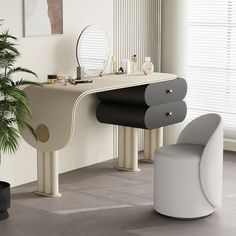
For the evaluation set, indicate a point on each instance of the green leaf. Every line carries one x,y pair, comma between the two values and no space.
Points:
5,34
20,69
9,139
27,82
32,131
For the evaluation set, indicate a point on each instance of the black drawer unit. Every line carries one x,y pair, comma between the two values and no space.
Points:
148,106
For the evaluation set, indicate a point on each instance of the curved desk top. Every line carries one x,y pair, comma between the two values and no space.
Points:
54,106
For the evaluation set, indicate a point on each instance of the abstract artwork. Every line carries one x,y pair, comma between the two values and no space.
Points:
43,17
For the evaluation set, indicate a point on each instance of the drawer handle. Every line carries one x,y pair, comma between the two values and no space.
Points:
169,113
169,91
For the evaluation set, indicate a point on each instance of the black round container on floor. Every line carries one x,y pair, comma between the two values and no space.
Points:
5,199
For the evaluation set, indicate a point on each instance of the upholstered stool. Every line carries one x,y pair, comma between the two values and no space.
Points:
188,175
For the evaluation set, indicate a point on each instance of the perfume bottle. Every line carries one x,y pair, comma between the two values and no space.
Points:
126,66
147,66
134,64
113,67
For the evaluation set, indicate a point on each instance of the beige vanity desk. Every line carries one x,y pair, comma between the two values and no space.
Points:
66,116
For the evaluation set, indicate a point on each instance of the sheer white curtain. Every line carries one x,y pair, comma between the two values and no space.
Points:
211,60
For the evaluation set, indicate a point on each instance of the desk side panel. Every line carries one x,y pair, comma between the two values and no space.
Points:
54,110
91,142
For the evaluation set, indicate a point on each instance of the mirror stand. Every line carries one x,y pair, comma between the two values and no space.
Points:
79,72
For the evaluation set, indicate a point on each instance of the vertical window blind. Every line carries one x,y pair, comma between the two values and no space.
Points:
211,63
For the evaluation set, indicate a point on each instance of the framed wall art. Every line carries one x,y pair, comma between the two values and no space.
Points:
43,17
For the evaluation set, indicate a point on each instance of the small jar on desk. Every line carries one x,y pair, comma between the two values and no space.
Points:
52,79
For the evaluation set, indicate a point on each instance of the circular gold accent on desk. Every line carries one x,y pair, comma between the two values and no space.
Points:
42,133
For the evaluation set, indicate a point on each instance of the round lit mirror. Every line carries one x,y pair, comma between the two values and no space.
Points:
93,50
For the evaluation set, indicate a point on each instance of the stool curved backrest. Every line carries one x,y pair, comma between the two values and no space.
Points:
207,130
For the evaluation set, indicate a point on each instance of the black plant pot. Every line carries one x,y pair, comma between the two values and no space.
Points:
5,199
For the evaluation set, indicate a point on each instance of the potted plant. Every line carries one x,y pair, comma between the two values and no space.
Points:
14,107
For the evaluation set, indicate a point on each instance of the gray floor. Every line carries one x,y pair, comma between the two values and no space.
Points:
99,200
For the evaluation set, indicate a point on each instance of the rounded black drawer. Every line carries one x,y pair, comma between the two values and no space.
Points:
165,92
165,114
148,95
141,116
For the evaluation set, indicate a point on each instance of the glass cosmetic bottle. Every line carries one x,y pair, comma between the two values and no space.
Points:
134,64
147,66
113,65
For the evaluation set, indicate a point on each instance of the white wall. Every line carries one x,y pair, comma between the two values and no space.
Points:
174,41
48,55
